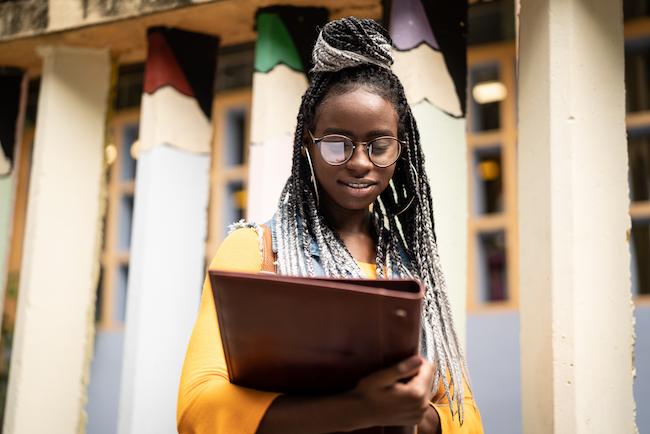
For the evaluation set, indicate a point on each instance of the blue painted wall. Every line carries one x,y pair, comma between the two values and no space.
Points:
642,358
493,359
104,387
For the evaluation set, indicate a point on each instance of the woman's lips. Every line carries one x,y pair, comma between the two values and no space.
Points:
357,188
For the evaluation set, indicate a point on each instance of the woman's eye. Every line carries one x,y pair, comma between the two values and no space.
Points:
381,146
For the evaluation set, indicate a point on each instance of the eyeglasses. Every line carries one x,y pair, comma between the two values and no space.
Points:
337,149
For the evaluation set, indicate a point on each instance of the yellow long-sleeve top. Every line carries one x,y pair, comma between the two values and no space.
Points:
209,403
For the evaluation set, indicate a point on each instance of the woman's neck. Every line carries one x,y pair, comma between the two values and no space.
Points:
347,222
355,230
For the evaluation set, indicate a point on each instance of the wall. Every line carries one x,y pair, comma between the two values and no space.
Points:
642,361
104,387
493,359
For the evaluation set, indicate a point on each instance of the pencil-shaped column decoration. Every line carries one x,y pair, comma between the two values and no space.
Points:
285,36
169,225
429,52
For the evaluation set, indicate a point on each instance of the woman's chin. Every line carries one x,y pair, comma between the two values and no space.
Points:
355,204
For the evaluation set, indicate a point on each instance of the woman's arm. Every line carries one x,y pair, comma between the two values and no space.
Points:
380,399
207,401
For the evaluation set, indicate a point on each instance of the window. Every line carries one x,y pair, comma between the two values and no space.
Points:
486,97
637,82
490,21
491,139
492,267
488,178
635,9
229,171
111,294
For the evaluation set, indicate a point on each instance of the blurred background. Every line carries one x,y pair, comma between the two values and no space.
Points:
235,103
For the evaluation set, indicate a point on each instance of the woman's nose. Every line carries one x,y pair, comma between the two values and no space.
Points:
360,162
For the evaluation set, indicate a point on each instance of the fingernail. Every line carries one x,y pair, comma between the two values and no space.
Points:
410,364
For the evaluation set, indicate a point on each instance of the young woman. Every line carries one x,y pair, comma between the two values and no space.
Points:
357,204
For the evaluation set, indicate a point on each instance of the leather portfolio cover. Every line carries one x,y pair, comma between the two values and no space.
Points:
314,335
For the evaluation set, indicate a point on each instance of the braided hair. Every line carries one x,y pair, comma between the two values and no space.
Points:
352,53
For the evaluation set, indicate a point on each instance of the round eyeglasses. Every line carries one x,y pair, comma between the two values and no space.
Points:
337,149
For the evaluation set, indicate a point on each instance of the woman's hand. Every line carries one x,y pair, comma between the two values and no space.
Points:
398,395
380,399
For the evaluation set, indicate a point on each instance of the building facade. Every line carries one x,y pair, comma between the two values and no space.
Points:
172,119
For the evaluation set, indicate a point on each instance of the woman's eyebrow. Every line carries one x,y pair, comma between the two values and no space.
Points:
373,133
338,131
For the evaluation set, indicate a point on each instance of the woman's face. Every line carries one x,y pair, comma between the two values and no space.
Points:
362,116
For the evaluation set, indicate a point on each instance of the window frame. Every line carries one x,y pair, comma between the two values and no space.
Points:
503,55
112,257
220,175
635,30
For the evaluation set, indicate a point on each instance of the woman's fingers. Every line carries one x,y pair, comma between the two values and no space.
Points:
388,401
389,376
420,386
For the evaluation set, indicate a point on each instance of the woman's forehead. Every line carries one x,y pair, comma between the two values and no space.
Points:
358,111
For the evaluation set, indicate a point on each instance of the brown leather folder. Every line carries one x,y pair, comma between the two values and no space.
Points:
313,336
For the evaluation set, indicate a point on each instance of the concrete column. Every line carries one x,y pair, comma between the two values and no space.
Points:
169,226
433,71
60,266
282,58
576,309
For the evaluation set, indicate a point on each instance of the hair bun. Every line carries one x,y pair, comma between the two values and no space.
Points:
349,42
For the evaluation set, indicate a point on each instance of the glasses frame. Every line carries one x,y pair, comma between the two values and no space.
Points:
355,143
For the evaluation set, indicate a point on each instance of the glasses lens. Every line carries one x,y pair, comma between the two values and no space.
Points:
384,151
335,149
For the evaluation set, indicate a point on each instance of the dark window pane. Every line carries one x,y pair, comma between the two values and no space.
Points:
490,21
235,204
125,220
235,65
484,114
129,137
492,269
641,257
235,136
121,282
128,92
638,149
488,180
637,75
635,9
33,90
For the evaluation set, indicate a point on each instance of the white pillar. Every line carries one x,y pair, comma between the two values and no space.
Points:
429,86
279,81
169,226
576,309
55,315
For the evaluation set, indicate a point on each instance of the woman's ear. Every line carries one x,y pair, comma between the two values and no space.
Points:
305,141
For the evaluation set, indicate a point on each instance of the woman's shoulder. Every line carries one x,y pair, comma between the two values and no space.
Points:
240,251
